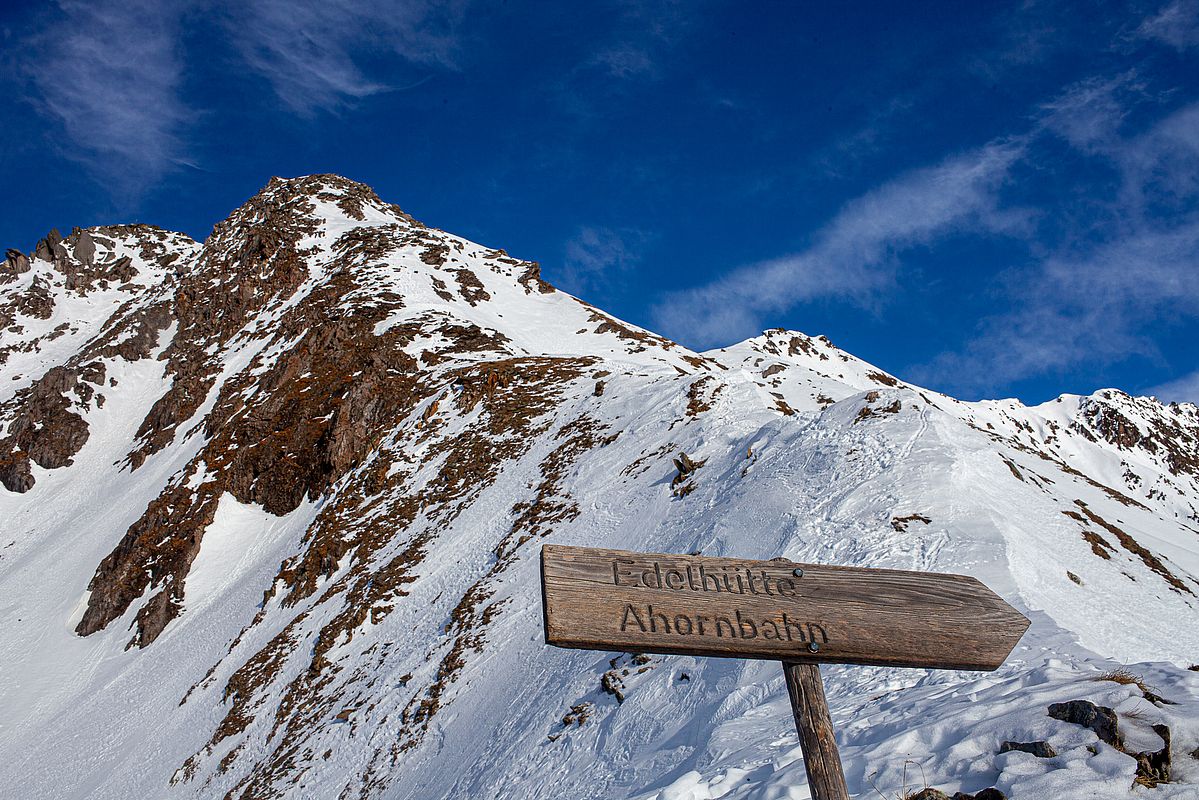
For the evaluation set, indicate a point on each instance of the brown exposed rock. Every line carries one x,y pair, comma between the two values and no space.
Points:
682,485
1171,436
1038,749
802,344
550,506
901,523
1154,768
1100,719
123,269
37,301
1013,468
578,715
320,408
868,410
50,248
1133,546
639,339
137,333
701,395
1112,425
1099,545
256,253
928,793
532,275
990,794
435,254
15,263
470,287
85,247
504,417
15,471
773,369
352,198
44,427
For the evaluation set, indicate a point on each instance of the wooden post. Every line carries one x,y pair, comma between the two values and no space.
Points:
597,599
815,727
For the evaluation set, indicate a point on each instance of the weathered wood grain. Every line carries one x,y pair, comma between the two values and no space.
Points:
645,602
820,757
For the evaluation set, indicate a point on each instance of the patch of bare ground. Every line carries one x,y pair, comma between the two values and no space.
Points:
1114,494
46,425
639,340
1013,468
1172,437
642,462
683,483
901,523
550,505
870,410
387,523
470,287
275,438
701,395
1133,546
1099,545
773,369
803,344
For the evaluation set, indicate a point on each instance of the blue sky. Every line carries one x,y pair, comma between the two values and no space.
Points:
992,199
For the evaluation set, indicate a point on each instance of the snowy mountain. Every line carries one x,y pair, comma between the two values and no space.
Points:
272,507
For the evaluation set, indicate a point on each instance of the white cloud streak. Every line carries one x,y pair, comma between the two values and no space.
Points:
854,257
1180,390
1088,115
109,72
596,256
1098,308
1101,303
313,53
1177,24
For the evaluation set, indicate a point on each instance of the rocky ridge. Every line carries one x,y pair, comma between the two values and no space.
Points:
403,415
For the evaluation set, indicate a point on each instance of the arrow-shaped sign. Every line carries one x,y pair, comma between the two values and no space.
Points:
647,602
801,614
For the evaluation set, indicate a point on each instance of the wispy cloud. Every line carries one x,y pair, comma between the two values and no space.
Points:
1181,390
109,73
1161,165
855,256
314,54
642,34
1088,115
626,60
1176,24
1099,307
1101,301
597,256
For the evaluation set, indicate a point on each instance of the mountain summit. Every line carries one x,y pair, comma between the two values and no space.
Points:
272,507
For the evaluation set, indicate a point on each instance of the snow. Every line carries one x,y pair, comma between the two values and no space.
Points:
234,545
86,718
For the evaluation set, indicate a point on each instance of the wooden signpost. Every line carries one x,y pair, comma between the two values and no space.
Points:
800,614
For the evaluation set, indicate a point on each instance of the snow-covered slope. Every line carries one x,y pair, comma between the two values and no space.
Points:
272,508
